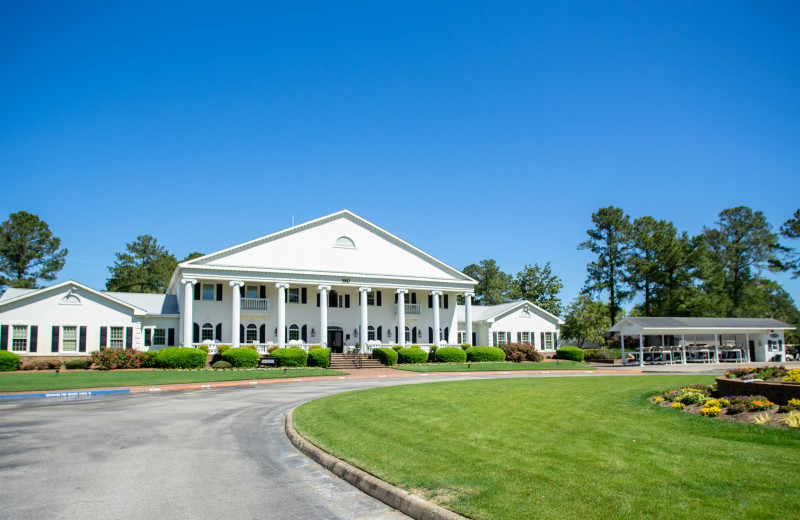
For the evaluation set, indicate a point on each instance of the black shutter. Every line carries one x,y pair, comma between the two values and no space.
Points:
218,332
555,340
413,297
242,291
128,338
414,335
303,295
445,301
197,291
378,299
241,333
494,339
103,336
447,334
317,299
347,301
171,338
262,291
54,340
219,292
4,337
304,332
380,333
519,337
474,339
396,337
430,334
430,301
195,334
541,345
286,296
147,341
395,297
34,337
262,334
82,338
533,339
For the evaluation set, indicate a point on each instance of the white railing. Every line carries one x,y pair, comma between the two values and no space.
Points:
262,348
255,304
413,309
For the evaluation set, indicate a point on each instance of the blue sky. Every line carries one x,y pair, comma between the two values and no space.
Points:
470,129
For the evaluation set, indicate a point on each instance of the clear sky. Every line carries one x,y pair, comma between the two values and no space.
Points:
470,129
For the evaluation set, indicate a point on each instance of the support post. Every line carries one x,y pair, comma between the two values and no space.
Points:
716,348
622,347
282,287
683,349
364,316
186,314
401,317
436,337
641,350
468,316
323,314
236,312
747,346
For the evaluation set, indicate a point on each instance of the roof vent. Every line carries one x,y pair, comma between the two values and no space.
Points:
345,242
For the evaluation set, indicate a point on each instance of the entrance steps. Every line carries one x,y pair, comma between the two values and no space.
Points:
353,361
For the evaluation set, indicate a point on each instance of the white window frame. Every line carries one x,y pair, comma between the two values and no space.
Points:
112,338
408,335
19,338
207,327
294,333
526,338
65,340
462,337
251,289
548,341
207,287
247,330
370,333
502,338
163,335
293,295
441,334
774,345
371,298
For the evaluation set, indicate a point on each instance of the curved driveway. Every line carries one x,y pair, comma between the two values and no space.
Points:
215,454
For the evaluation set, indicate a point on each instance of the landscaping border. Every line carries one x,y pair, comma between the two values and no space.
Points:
390,495
776,392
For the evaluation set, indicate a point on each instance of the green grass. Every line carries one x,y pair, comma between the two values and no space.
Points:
579,447
28,381
503,366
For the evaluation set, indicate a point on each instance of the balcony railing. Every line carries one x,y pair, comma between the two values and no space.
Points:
255,304
413,309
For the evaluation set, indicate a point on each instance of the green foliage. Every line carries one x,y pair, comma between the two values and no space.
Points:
494,286
9,361
28,251
570,353
78,364
540,286
518,352
291,357
178,357
241,357
221,365
222,348
606,353
111,359
432,353
387,356
485,354
450,355
319,357
145,268
412,355
586,320
397,348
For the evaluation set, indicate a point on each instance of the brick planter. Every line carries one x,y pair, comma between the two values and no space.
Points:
777,392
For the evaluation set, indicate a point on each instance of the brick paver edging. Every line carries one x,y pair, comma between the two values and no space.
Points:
390,495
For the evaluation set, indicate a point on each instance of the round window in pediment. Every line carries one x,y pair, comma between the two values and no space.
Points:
345,242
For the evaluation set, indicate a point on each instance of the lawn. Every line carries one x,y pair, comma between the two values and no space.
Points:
487,367
29,381
577,447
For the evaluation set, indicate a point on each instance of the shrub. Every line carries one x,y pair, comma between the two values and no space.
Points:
221,364
319,357
272,349
759,404
78,364
221,349
432,354
291,357
793,376
397,348
242,357
203,347
451,355
518,352
179,357
412,355
737,408
485,354
761,419
794,403
596,353
110,359
9,361
48,364
465,346
387,356
570,353
792,420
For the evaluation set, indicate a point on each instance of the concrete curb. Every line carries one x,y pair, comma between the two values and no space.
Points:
388,494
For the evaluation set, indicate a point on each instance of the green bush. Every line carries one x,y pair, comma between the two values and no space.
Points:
570,353
412,355
78,364
465,346
319,357
485,354
221,364
9,361
291,357
432,354
241,357
113,358
221,349
450,355
387,356
596,353
179,357
203,347
397,348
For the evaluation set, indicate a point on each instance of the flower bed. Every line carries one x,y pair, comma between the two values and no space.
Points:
774,382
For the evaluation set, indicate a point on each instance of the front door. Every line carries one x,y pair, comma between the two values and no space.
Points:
752,350
336,340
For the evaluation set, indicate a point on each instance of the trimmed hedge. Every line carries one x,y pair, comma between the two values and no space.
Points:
596,353
242,357
432,354
450,355
319,357
387,356
397,348
179,357
291,357
9,361
78,364
412,355
485,354
221,364
570,353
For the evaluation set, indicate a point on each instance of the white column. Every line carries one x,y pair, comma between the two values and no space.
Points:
716,348
622,346
468,315
641,350
236,311
401,317
435,298
683,348
282,313
747,347
364,319
186,314
323,314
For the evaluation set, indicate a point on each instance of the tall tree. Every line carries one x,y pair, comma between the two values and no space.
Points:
791,230
586,320
647,237
609,241
540,286
28,251
146,267
494,286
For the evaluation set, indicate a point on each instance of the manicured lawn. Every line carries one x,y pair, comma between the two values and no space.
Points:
578,447
486,367
28,381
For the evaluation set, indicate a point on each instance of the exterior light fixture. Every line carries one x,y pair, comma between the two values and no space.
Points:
313,333
389,333
276,331
355,333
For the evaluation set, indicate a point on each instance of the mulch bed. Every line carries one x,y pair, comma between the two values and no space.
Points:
744,417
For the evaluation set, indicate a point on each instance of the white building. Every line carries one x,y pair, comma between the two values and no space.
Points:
520,321
338,280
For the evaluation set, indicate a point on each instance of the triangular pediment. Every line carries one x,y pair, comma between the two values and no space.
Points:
341,244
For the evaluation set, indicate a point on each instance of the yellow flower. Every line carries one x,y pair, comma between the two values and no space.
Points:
659,399
711,411
679,406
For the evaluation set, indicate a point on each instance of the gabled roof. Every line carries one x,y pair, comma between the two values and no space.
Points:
488,312
154,304
23,294
662,323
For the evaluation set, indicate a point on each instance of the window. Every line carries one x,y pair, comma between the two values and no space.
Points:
501,338
159,337
333,299
19,338
462,337
441,335
208,291
115,337
345,242
294,332
526,338
371,298
207,332
408,335
69,339
251,292
774,345
548,341
251,334
294,295
370,333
